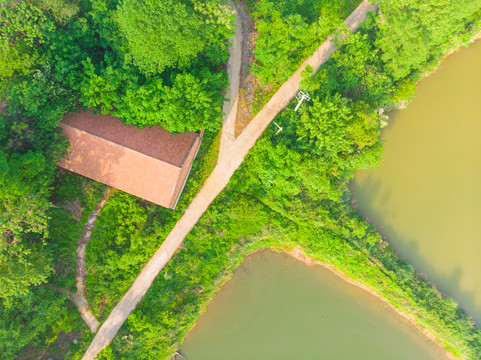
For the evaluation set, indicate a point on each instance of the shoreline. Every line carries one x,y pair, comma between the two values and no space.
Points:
298,253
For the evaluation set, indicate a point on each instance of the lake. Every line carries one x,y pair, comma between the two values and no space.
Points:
426,196
276,307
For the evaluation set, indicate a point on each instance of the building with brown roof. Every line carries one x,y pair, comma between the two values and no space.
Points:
150,163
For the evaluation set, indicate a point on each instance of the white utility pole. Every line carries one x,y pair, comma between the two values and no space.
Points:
278,131
301,96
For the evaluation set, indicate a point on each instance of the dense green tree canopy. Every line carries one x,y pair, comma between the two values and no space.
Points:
413,32
23,28
26,174
160,34
60,55
161,62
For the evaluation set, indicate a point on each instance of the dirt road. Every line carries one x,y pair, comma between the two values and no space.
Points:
213,186
232,93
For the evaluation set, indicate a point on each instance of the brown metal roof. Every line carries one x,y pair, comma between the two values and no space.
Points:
127,158
152,141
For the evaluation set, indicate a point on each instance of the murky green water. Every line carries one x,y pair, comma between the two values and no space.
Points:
426,197
277,308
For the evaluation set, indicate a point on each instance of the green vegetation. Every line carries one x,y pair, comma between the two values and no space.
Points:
292,190
289,32
60,56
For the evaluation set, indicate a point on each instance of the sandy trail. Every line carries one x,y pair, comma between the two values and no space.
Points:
216,182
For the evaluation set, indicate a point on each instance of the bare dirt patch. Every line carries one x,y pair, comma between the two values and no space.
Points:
63,342
248,82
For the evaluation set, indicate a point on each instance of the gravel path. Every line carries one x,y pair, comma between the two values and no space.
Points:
213,186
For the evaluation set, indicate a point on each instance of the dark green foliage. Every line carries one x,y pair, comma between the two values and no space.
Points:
40,98
26,318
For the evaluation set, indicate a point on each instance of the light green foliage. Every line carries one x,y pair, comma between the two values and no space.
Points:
357,72
15,58
333,128
24,183
23,26
324,127
414,32
162,34
62,10
120,244
217,16
289,31
92,63
189,104
18,188
191,98
277,43
21,268
282,178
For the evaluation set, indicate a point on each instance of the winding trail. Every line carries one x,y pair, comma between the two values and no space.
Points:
216,182
78,298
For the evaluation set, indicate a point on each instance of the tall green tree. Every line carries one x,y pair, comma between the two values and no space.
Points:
23,28
24,188
414,32
26,172
162,34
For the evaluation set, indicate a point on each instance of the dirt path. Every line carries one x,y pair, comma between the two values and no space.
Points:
82,306
232,93
78,298
249,84
216,182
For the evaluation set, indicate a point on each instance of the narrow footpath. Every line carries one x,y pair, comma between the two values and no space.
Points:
213,186
79,298
232,93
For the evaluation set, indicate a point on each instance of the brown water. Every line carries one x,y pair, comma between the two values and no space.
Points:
277,308
426,197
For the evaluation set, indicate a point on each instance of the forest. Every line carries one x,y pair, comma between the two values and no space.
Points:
293,190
